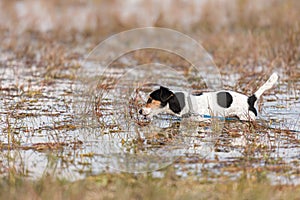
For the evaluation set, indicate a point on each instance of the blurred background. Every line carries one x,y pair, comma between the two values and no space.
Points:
238,32
107,16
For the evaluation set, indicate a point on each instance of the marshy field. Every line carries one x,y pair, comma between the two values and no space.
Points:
69,125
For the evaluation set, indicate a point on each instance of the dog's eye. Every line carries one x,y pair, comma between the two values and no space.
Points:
149,100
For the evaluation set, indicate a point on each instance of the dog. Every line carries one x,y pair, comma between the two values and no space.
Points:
224,103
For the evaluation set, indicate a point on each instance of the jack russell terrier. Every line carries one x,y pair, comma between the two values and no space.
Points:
222,103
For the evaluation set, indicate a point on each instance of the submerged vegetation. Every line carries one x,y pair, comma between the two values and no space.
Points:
52,148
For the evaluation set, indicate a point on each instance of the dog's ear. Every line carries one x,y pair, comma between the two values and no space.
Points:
165,94
174,104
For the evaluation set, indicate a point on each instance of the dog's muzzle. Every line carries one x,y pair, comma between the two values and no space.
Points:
141,111
145,111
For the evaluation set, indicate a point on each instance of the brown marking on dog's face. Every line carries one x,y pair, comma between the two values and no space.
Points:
153,104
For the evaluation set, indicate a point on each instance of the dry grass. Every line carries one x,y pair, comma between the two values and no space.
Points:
143,186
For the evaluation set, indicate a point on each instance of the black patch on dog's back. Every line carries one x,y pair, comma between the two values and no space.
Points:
224,99
251,100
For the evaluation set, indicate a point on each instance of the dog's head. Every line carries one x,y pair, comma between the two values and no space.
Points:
161,100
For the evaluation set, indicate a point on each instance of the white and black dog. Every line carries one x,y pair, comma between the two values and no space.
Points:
222,103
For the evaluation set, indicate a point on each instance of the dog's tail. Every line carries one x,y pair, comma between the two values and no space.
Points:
268,85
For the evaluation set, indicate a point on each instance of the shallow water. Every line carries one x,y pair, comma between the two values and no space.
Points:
73,129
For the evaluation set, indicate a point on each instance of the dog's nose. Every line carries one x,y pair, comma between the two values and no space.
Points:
141,111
